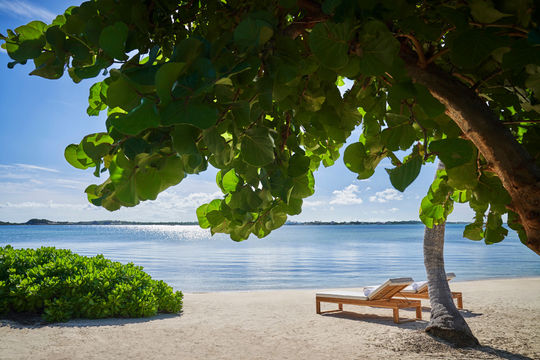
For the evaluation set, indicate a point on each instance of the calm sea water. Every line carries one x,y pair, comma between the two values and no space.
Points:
295,256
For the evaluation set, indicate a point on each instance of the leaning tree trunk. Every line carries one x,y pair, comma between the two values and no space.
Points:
446,321
508,159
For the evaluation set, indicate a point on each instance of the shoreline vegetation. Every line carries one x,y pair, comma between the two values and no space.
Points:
120,222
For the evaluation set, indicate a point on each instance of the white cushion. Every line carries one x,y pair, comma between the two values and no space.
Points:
352,295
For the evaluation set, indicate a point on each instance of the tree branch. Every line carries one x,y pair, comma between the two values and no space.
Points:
509,160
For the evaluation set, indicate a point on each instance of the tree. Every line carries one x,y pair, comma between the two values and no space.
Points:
251,87
446,322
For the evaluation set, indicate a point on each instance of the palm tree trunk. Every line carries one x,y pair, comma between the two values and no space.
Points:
446,321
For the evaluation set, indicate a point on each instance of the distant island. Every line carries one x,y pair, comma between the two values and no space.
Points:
119,222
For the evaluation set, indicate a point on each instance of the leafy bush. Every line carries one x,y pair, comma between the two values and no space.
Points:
63,285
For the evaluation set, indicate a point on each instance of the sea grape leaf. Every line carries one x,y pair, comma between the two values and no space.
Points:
402,176
473,232
298,165
257,147
198,114
171,172
77,158
329,43
484,12
453,152
97,145
140,118
252,32
113,40
184,139
165,78
230,181
148,183
471,47
30,41
354,156
121,94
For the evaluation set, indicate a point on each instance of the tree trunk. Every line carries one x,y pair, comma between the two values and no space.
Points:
446,321
508,159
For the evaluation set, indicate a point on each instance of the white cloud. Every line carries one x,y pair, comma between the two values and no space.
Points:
347,196
173,200
386,195
25,10
44,205
34,167
313,203
393,210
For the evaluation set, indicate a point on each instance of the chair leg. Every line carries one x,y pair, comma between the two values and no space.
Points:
460,301
340,307
419,312
318,306
396,315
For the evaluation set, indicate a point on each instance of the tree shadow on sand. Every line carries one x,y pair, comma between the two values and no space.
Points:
29,321
421,342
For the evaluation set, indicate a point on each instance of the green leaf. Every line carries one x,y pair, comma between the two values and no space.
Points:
30,41
97,145
379,48
140,118
354,156
329,43
252,32
96,99
484,12
402,176
121,94
113,40
472,46
200,115
463,177
48,66
398,137
148,183
230,181
171,172
303,186
494,231
165,78
257,147
77,158
453,152
298,165
184,139
473,232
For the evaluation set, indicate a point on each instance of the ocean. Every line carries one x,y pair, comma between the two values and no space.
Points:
294,256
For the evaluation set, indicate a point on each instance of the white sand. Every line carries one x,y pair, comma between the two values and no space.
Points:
503,314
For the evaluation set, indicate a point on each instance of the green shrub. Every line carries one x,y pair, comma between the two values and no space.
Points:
62,285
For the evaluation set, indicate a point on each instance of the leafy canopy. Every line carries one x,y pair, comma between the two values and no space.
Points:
251,88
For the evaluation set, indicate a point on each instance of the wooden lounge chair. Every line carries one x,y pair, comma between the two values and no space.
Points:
379,296
419,290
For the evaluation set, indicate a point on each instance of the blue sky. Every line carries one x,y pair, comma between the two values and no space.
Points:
40,117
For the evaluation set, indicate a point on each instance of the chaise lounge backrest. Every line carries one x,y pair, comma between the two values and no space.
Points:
422,286
389,288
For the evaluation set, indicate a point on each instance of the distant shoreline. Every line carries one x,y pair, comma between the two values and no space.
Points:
119,222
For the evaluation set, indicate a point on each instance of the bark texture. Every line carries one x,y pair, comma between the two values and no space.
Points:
508,159
446,321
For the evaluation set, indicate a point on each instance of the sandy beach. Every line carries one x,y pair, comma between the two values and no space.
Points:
504,314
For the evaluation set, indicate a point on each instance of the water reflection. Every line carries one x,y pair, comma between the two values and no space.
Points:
188,258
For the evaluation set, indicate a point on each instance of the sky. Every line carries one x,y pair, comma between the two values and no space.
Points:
40,117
